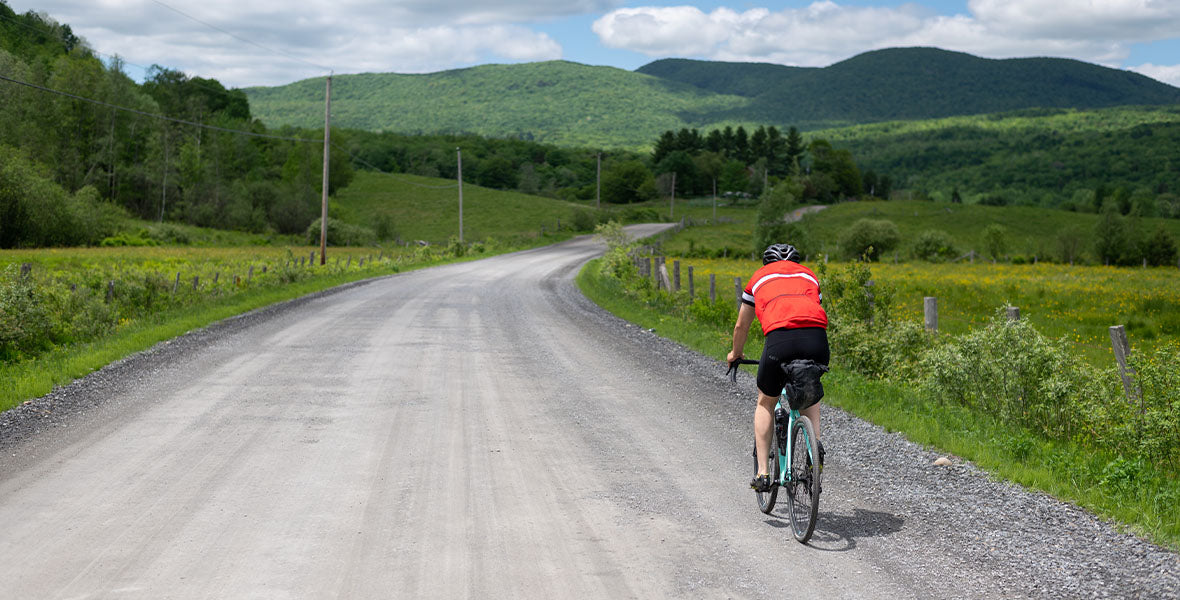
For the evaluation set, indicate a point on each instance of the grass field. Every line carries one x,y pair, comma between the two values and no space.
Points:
426,208
1031,232
1078,303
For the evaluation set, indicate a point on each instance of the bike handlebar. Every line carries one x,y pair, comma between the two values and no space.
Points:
733,367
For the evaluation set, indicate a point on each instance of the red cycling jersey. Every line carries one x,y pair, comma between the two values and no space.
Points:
785,294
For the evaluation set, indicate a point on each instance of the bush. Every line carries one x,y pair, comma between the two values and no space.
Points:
995,240
1159,248
1009,370
869,239
341,234
935,245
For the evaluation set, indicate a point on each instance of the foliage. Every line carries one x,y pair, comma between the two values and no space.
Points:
869,239
340,233
771,226
995,240
935,245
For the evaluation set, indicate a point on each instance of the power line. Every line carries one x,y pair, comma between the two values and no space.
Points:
153,115
391,175
240,38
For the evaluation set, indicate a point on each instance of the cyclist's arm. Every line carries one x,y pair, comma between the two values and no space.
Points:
740,330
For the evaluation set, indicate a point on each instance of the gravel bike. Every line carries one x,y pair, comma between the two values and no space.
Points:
793,464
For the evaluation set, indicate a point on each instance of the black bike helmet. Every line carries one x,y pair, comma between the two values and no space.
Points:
777,252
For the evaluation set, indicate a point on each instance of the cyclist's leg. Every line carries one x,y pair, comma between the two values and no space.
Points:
812,413
763,426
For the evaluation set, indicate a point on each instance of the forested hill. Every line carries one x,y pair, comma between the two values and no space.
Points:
911,83
556,101
573,104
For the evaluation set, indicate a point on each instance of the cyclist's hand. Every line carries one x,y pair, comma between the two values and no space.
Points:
733,356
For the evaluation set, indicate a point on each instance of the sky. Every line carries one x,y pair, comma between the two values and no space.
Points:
272,42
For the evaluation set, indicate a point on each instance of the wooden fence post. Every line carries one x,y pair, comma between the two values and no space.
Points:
176,283
250,274
1013,313
662,281
676,275
737,288
110,291
930,304
25,269
196,278
216,276
690,285
1122,349
712,287
311,260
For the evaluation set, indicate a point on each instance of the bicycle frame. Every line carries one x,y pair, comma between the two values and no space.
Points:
783,432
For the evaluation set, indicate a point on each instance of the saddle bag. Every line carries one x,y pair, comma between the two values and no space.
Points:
803,387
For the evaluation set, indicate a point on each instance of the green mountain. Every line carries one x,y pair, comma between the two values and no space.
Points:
911,83
573,104
557,101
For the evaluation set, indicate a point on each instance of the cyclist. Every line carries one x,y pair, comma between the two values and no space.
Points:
785,298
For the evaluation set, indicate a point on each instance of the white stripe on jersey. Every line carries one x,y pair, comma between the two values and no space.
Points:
767,278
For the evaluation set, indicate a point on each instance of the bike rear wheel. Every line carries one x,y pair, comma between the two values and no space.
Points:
803,488
766,500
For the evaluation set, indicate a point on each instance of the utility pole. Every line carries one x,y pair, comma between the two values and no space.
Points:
672,203
459,154
324,200
598,185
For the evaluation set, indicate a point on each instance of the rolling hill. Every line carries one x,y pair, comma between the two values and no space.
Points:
573,104
912,83
557,102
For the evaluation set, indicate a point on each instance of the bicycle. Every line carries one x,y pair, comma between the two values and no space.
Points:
792,462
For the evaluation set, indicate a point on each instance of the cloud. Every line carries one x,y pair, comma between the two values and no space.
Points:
287,42
825,32
1167,74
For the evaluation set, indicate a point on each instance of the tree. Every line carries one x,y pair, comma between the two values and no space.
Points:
995,240
622,181
869,239
734,177
935,245
1160,249
794,151
1110,236
771,226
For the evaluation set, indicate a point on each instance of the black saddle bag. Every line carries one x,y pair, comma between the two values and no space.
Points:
803,387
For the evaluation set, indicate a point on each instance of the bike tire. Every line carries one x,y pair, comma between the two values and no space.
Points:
766,500
803,489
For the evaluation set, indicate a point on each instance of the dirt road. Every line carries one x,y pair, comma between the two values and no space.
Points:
473,430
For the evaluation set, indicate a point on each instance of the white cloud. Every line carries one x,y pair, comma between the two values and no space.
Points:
825,32
1167,74
298,39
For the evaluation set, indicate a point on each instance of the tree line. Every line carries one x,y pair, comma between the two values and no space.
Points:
75,164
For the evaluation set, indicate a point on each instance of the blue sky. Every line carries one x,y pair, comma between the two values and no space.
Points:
271,42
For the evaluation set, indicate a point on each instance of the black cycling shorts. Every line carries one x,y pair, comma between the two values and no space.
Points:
785,345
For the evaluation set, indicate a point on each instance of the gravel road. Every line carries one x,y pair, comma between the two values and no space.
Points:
482,430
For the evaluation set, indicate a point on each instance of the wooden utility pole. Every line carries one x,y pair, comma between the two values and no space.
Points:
324,200
459,155
598,185
672,203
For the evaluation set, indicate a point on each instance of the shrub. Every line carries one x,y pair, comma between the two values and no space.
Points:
995,240
935,245
1159,248
1010,370
341,234
869,239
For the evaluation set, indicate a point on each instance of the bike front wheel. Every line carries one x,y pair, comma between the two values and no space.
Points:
803,488
766,499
